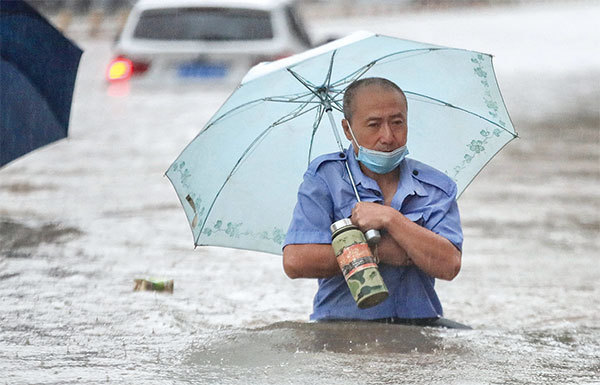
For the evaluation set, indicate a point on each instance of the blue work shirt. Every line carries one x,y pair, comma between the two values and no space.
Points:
425,195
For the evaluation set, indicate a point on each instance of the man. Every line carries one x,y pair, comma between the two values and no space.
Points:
413,205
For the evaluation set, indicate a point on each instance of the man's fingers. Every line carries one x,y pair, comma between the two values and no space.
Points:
360,215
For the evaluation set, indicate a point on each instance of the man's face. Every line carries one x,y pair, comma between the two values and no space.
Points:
379,118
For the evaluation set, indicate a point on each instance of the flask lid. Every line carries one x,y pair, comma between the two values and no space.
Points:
335,226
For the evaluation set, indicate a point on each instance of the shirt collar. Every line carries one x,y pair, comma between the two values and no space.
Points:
408,185
359,177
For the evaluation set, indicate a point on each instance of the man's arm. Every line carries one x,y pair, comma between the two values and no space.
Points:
318,260
310,261
431,252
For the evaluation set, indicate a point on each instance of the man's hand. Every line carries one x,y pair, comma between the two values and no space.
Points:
431,252
369,216
390,252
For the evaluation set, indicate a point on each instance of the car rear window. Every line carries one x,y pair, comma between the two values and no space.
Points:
217,24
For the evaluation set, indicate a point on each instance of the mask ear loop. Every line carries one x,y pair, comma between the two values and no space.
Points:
352,134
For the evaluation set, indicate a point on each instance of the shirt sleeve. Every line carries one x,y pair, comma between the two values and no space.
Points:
313,213
445,218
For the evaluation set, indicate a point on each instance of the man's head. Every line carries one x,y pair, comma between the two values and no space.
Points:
376,109
355,87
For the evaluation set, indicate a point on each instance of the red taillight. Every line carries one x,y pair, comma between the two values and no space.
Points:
119,69
122,68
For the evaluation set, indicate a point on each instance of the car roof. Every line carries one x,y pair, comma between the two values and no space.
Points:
257,4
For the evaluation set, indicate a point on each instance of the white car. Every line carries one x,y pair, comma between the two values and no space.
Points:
188,41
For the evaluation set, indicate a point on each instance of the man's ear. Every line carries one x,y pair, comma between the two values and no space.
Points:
346,127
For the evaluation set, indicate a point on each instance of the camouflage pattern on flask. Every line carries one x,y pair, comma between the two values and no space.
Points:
358,264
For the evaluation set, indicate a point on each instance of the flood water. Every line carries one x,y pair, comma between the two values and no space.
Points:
82,218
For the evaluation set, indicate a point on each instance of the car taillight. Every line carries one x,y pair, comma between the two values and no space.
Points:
119,69
122,68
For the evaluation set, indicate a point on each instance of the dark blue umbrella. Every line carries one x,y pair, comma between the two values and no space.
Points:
38,67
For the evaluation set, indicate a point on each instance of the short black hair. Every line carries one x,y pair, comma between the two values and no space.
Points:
356,85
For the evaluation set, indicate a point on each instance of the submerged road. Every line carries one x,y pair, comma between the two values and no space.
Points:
80,219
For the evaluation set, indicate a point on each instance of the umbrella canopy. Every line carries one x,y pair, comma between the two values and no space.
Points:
237,180
38,66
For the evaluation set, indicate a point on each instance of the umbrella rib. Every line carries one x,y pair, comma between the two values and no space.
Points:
314,131
416,51
304,82
352,76
313,89
235,167
345,80
364,69
297,112
421,51
446,104
336,104
348,80
288,98
355,75
294,114
227,113
330,69
292,99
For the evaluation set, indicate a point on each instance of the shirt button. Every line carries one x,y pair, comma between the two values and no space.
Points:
415,172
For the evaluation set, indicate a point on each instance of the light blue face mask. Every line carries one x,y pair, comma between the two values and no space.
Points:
378,161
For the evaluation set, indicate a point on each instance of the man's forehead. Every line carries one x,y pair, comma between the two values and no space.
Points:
378,89
366,95
378,115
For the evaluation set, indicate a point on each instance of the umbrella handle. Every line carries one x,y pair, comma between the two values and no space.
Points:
373,237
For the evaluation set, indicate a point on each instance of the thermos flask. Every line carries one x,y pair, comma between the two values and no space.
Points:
357,264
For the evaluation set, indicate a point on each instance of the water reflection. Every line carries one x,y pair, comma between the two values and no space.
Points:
332,353
274,343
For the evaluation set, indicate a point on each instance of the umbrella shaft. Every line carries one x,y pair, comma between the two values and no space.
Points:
339,142
335,131
352,181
